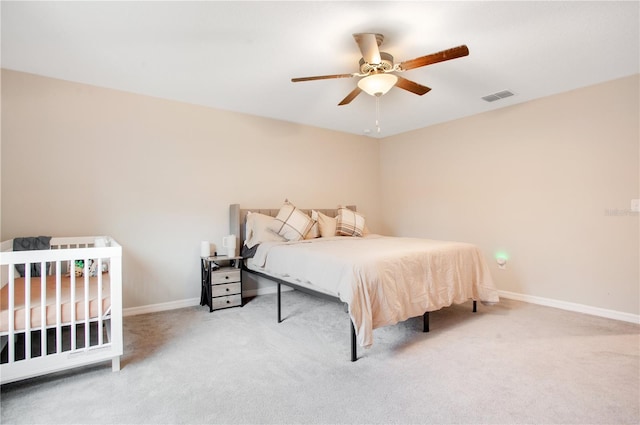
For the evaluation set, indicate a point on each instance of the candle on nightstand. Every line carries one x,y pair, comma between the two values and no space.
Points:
205,249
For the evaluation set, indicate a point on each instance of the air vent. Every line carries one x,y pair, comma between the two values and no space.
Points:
497,96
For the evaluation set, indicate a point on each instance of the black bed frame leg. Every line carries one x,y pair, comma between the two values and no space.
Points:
425,322
354,349
475,306
279,308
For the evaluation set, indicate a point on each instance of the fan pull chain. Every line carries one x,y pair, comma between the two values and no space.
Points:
378,114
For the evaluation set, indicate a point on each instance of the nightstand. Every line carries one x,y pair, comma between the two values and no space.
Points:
221,282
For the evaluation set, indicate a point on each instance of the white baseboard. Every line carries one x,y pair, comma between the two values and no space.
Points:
579,308
265,290
172,305
154,308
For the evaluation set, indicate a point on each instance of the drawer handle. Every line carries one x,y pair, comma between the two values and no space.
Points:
227,289
226,277
228,301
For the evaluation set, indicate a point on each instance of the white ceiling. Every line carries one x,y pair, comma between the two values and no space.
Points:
240,56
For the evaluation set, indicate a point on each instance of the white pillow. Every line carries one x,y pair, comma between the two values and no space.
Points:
291,223
349,223
326,224
257,230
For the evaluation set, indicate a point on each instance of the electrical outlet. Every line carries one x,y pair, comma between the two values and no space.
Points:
635,205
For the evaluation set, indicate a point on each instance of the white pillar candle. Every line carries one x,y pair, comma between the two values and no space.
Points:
205,249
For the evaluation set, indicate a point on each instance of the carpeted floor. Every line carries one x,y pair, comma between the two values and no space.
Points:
507,364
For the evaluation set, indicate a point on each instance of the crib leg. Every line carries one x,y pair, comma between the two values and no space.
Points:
115,364
475,306
279,308
354,348
425,322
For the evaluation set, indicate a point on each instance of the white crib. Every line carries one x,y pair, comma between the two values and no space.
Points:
82,320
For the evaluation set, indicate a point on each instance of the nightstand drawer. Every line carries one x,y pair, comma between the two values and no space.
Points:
230,301
225,289
225,276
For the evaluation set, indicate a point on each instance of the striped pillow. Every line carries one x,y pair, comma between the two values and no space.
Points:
291,223
349,223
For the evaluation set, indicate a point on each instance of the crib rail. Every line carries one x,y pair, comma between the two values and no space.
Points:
68,315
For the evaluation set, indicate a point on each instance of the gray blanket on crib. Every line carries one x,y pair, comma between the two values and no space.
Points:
28,244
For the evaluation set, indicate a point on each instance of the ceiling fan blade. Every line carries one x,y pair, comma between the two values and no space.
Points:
412,86
322,77
442,56
350,96
368,44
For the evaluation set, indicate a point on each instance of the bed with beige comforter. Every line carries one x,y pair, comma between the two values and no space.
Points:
383,280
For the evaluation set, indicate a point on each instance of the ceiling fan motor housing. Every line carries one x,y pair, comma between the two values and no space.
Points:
385,65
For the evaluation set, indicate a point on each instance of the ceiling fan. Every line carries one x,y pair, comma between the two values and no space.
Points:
377,68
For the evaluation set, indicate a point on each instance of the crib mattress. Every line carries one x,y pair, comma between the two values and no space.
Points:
66,307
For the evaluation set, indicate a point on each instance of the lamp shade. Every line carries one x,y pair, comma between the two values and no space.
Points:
377,84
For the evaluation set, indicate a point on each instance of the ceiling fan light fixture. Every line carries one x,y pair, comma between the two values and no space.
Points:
377,84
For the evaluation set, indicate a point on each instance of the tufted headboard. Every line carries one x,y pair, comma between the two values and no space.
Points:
238,217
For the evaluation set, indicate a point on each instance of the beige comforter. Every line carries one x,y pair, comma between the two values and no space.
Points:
384,280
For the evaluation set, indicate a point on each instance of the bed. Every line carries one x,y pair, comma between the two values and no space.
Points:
78,280
382,280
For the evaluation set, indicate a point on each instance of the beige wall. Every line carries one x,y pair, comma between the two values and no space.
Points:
159,175
549,182
538,180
